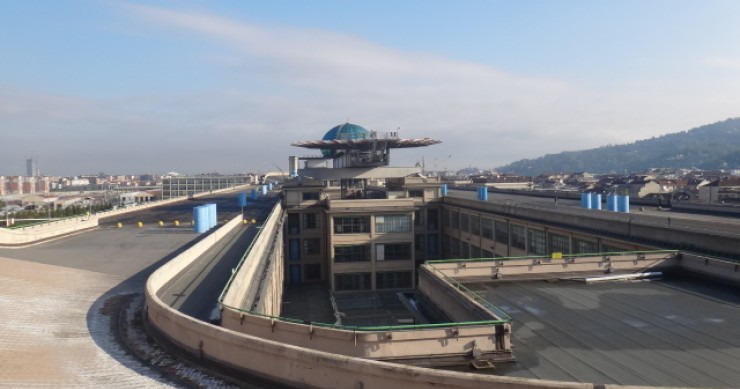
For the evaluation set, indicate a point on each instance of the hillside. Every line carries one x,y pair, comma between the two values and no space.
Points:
713,146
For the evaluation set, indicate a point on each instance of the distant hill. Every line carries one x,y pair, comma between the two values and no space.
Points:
714,146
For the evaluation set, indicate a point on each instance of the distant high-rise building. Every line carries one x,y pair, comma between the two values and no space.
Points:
31,169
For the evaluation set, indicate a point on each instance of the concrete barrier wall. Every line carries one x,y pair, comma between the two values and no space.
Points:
299,366
38,232
244,285
715,268
541,266
657,230
453,303
412,345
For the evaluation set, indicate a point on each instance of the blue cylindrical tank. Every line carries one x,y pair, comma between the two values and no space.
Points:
200,218
611,202
595,200
443,190
269,186
586,200
483,193
263,188
242,198
623,204
213,215
254,194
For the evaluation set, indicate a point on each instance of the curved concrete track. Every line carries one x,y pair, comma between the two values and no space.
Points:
55,301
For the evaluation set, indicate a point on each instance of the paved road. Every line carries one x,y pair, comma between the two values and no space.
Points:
55,330
196,290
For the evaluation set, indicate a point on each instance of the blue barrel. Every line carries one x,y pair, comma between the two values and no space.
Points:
586,200
213,215
443,190
263,188
483,193
242,198
269,186
595,200
611,202
200,218
623,204
254,194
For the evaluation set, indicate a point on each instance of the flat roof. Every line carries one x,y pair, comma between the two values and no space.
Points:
678,331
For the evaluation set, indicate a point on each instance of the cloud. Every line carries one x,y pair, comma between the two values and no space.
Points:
282,84
724,63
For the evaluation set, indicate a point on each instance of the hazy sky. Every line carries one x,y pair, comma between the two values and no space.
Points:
133,87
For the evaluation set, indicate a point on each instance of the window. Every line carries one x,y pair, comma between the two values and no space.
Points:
393,251
537,242
475,225
612,249
310,220
464,250
294,249
502,231
446,246
446,218
474,251
294,227
352,225
518,237
454,248
559,244
352,253
464,222
486,226
419,217
352,281
455,220
420,242
416,193
312,246
393,280
432,250
486,254
313,272
584,246
432,219
393,223
310,195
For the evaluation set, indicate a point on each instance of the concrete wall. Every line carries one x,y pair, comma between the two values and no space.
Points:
715,268
538,267
244,285
305,367
650,229
39,232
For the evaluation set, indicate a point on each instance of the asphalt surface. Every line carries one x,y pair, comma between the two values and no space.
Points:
196,289
675,332
54,297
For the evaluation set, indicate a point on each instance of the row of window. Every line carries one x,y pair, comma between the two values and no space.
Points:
383,252
383,280
361,224
306,220
532,241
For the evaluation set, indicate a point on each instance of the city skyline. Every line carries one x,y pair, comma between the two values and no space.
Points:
196,87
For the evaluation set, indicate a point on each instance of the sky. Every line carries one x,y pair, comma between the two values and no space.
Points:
127,87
